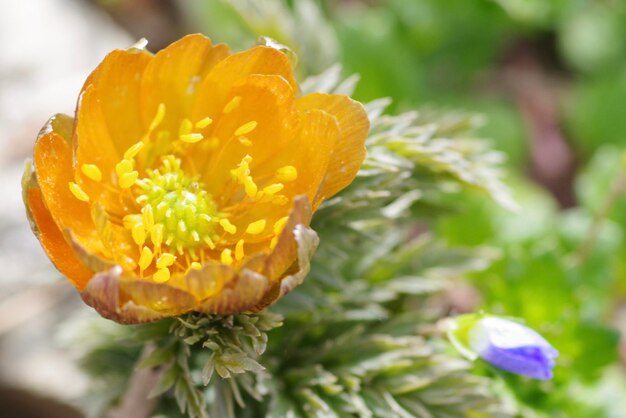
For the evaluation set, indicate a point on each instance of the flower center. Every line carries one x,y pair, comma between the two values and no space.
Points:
177,204
178,225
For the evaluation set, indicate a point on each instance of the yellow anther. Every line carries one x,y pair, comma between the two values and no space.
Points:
272,189
78,192
130,220
226,257
203,123
228,227
133,150
139,233
124,166
208,241
145,258
242,170
158,117
161,275
192,138
195,266
244,141
156,235
273,242
148,216
233,104
250,186
239,250
128,179
165,260
279,225
185,127
256,227
287,173
246,128
91,171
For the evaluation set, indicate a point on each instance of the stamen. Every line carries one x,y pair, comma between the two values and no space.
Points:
78,192
203,123
123,167
195,266
158,117
250,186
272,189
185,127
287,173
192,138
256,227
130,220
244,141
139,233
228,227
274,242
209,242
145,258
148,216
133,150
226,257
233,104
156,235
239,250
246,128
162,275
165,260
279,225
91,171
128,179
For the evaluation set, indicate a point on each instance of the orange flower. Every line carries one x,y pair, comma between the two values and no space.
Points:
187,180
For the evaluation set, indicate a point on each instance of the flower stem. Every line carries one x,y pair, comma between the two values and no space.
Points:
135,402
224,405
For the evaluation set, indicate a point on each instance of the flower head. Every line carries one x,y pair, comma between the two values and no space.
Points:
503,343
187,180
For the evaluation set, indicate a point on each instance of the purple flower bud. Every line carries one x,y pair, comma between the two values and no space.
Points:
513,347
505,344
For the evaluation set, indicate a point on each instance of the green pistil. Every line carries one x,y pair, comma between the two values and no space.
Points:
179,203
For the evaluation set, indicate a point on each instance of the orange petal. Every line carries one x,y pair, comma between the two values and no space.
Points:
116,83
290,261
93,143
267,100
173,74
349,151
311,153
286,251
54,171
214,89
52,239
